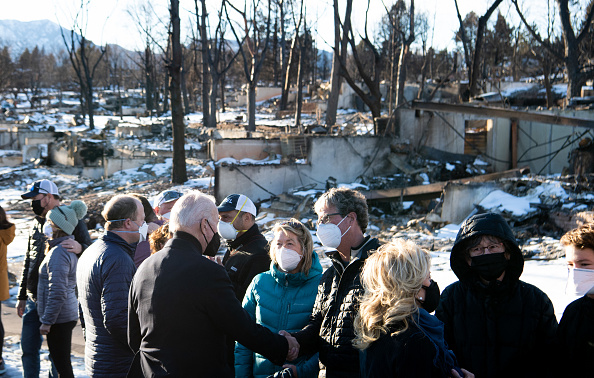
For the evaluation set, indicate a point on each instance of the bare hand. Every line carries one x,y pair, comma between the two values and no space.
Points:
72,245
293,369
467,374
45,329
293,345
21,307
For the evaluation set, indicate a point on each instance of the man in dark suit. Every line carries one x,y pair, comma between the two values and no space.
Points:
182,307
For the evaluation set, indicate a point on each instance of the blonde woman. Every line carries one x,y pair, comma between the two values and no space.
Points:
394,330
282,298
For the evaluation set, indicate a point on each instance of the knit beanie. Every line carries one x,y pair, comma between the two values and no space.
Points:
66,217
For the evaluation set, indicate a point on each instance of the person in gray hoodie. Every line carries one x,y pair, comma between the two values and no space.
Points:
57,305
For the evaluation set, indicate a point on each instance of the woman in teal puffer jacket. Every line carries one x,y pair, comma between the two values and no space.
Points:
282,298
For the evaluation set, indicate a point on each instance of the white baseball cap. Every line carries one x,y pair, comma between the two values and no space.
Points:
237,202
41,186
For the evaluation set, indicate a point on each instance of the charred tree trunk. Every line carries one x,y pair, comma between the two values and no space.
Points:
148,82
206,112
251,106
299,104
340,49
478,48
401,76
179,173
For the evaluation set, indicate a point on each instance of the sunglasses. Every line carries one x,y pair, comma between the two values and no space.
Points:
292,224
171,195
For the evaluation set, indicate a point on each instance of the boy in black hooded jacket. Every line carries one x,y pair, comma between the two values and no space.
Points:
497,325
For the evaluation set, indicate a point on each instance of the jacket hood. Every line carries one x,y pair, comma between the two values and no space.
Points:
298,278
7,234
54,242
485,224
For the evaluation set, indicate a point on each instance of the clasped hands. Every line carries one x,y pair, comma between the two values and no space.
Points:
293,345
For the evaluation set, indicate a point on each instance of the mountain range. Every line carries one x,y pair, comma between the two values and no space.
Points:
19,35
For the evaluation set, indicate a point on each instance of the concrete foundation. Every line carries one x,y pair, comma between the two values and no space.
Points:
344,159
459,200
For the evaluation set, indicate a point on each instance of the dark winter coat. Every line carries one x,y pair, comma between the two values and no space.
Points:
576,339
502,329
419,351
246,256
103,276
280,301
36,253
56,296
330,330
183,309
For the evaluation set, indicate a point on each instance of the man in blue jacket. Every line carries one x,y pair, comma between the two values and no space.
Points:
103,277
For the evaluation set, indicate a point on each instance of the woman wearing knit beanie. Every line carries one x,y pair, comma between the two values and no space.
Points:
56,299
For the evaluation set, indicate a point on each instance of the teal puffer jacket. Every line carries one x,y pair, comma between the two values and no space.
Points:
279,301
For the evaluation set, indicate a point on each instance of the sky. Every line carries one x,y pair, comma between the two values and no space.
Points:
109,21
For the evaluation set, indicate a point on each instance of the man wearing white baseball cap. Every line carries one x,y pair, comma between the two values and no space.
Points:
164,202
247,252
45,197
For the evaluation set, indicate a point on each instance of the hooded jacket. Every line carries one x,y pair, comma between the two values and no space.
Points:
499,329
56,297
36,253
6,237
103,277
330,330
279,301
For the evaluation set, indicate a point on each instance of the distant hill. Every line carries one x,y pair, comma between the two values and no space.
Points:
45,34
19,35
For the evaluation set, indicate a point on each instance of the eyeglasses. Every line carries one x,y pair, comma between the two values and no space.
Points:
326,218
479,250
292,224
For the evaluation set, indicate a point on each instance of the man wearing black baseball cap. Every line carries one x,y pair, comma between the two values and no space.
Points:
44,196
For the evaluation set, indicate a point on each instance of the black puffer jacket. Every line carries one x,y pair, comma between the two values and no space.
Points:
502,329
247,256
330,330
36,253
576,339
103,276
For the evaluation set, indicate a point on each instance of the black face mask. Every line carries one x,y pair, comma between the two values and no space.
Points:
489,266
212,247
36,206
432,295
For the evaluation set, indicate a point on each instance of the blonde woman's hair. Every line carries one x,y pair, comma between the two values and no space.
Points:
303,236
391,277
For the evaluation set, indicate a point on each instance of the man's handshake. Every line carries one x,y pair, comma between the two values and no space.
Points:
293,345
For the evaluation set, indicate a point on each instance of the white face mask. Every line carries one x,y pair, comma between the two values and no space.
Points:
48,230
143,230
329,234
580,282
287,259
227,231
